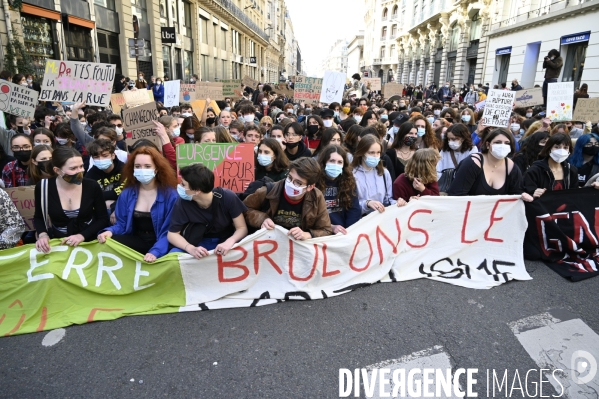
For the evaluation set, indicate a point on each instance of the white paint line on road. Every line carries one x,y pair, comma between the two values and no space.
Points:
54,337
432,358
569,345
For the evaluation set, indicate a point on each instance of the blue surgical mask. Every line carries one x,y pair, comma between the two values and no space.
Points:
430,120
333,170
371,162
395,129
264,160
183,194
466,118
384,117
421,131
144,176
103,164
176,132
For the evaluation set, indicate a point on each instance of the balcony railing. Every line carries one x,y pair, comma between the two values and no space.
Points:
383,38
392,36
538,12
437,7
240,15
385,61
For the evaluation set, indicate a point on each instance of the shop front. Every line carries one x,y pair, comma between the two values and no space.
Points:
39,36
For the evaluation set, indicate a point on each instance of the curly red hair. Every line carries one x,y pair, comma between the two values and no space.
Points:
165,175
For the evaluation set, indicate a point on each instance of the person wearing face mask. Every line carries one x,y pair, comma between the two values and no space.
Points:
444,93
14,173
293,203
397,122
338,186
20,80
172,128
471,96
374,182
188,128
490,172
141,83
31,84
426,134
552,172
158,91
107,171
205,218
530,150
143,211
247,112
457,146
403,147
529,113
585,157
295,148
41,157
74,204
108,133
468,119
210,118
315,129
328,116
553,64
271,161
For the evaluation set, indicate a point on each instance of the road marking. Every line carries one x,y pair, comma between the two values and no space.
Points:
558,340
432,358
54,337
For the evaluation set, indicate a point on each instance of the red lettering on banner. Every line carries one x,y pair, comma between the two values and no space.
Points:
464,240
92,313
325,272
257,255
494,219
19,323
294,277
234,264
380,233
417,229
43,320
351,260
582,225
543,237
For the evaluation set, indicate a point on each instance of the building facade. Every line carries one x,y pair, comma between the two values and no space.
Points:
381,30
355,54
215,39
336,59
521,35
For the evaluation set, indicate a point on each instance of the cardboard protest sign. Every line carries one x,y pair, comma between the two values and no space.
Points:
171,93
187,93
250,82
232,163
587,109
282,88
198,108
138,124
17,100
560,99
473,242
24,199
73,81
213,91
333,84
498,108
215,107
529,97
392,89
232,88
307,89
375,83
134,98
117,101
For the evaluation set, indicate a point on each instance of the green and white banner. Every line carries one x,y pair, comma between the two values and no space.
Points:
474,242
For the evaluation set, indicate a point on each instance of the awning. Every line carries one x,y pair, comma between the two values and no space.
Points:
82,22
503,50
40,12
575,38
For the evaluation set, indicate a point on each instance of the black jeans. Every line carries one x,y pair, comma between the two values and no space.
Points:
545,86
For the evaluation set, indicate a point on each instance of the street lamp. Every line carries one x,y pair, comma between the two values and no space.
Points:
252,6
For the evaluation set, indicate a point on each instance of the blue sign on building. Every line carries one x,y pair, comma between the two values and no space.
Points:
503,50
576,38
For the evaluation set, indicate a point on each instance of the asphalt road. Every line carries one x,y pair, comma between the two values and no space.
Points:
293,349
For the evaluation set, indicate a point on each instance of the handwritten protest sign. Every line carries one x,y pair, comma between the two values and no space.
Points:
529,97
187,93
138,124
24,199
284,90
587,109
250,82
213,91
307,89
375,83
171,93
135,98
232,88
332,87
560,99
392,89
232,163
17,100
72,81
498,108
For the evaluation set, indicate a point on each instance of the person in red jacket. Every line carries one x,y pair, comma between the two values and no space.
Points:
420,176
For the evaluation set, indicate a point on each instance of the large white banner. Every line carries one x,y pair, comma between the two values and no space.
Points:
474,242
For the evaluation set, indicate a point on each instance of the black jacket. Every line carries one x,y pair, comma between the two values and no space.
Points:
302,151
554,68
539,175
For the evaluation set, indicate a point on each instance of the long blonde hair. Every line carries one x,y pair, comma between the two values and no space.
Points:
423,165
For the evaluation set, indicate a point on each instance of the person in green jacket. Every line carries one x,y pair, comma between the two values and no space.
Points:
271,160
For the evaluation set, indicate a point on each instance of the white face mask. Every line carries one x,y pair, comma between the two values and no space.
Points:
119,131
265,103
292,190
437,112
500,151
559,155
515,127
455,145
327,122
358,118
529,114
248,118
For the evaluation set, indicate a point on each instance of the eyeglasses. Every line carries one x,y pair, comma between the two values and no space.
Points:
296,183
266,124
118,125
291,135
21,148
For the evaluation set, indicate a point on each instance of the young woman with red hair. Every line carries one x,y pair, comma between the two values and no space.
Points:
143,210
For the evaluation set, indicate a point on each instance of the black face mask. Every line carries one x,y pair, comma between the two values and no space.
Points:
409,141
42,165
291,145
210,121
22,156
312,129
592,151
